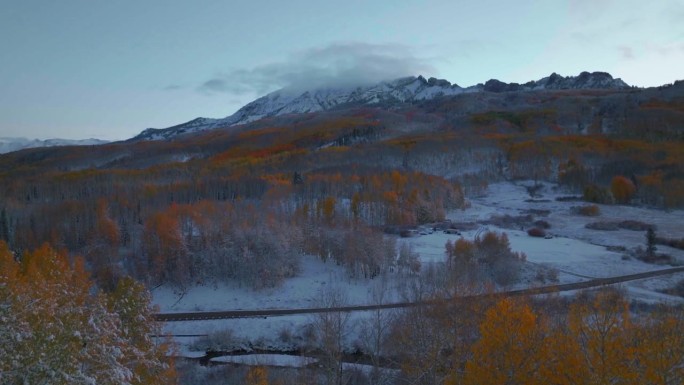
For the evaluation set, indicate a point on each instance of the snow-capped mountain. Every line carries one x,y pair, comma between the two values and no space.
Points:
284,101
16,144
401,90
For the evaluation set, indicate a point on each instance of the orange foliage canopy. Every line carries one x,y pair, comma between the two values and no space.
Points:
512,338
622,189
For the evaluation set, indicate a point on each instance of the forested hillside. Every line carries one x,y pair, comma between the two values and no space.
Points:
242,203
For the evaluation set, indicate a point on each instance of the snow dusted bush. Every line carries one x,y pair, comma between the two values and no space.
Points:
536,232
603,226
587,211
636,225
596,194
217,341
542,224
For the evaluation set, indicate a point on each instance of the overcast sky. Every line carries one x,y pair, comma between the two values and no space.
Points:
109,69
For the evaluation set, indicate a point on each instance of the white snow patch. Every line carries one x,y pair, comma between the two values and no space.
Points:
298,292
267,360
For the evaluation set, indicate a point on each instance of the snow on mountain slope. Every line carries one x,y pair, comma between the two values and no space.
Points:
401,90
16,144
283,102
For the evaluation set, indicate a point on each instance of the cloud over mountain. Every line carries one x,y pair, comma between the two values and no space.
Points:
334,65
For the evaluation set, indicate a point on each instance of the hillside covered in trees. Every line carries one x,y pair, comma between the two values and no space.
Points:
243,204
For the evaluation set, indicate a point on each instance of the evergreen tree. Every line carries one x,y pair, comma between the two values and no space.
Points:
650,242
4,226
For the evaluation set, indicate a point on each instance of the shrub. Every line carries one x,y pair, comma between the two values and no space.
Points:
536,232
546,274
463,226
657,259
534,190
622,189
542,224
509,221
596,194
407,233
587,211
285,335
635,225
672,242
538,212
676,290
604,226
552,275
569,198
217,341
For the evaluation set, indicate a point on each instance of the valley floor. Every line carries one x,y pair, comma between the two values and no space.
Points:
576,252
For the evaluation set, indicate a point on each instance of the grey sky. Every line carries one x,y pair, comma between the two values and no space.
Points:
108,69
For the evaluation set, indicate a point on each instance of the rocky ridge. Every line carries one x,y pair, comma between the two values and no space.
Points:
387,93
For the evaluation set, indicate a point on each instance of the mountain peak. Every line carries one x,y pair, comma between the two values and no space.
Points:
401,90
585,80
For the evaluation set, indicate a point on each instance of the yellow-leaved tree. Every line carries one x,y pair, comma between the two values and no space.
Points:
660,348
55,328
603,331
257,375
509,350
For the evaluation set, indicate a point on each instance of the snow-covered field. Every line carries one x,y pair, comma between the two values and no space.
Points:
297,292
576,252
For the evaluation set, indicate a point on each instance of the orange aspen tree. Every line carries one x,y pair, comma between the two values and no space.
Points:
602,327
660,348
622,189
508,351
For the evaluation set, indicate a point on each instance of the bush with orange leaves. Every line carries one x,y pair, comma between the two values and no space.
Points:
622,189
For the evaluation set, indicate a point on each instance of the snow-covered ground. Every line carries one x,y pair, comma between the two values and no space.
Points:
576,252
267,360
298,292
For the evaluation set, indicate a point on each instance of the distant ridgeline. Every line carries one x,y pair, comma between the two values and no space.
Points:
385,94
16,144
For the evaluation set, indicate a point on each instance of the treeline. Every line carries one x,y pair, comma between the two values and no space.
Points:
592,339
251,229
259,243
605,169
